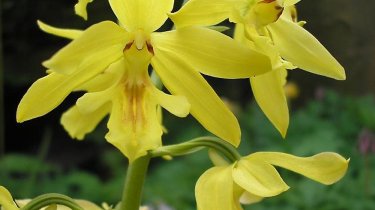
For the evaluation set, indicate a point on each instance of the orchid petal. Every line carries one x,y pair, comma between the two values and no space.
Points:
147,15
180,78
326,168
80,8
214,189
177,105
93,42
78,124
62,32
299,47
6,200
48,92
258,177
131,133
212,53
268,91
203,12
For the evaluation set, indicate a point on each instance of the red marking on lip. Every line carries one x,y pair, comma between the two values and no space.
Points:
128,46
150,48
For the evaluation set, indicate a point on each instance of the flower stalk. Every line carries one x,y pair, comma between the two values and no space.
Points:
135,177
197,144
51,199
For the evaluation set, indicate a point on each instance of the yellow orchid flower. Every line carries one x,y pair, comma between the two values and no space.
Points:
111,62
269,27
254,177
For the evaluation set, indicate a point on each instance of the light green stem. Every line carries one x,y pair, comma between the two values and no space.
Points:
135,177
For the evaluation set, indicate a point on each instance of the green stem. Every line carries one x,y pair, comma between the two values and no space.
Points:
135,177
194,145
49,199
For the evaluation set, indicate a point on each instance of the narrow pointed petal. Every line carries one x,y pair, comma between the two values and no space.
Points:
212,53
301,48
48,92
134,135
147,15
177,105
6,200
214,189
80,8
181,79
78,124
258,177
269,93
62,32
326,168
86,48
203,12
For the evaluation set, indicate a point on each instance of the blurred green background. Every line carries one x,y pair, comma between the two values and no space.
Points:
328,115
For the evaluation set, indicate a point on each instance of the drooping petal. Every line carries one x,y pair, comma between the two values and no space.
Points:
326,167
181,79
203,12
299,47
6,200
79,124
80,8
62,32
147,15
269,93
134,128
48,92
177,105
93,42
258,177
212,53
214,189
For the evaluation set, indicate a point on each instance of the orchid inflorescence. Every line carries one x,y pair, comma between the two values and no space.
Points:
110,62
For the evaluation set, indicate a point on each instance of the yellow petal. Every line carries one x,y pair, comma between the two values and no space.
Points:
203,12
299,47
181,79
79,124
249,198
177,105
326,167
80,8
6,200
258,177
287,3
266,12
212,53
48,92
103,81
134,128
214,189
85,49
62,32
217,159
147,15
269,93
